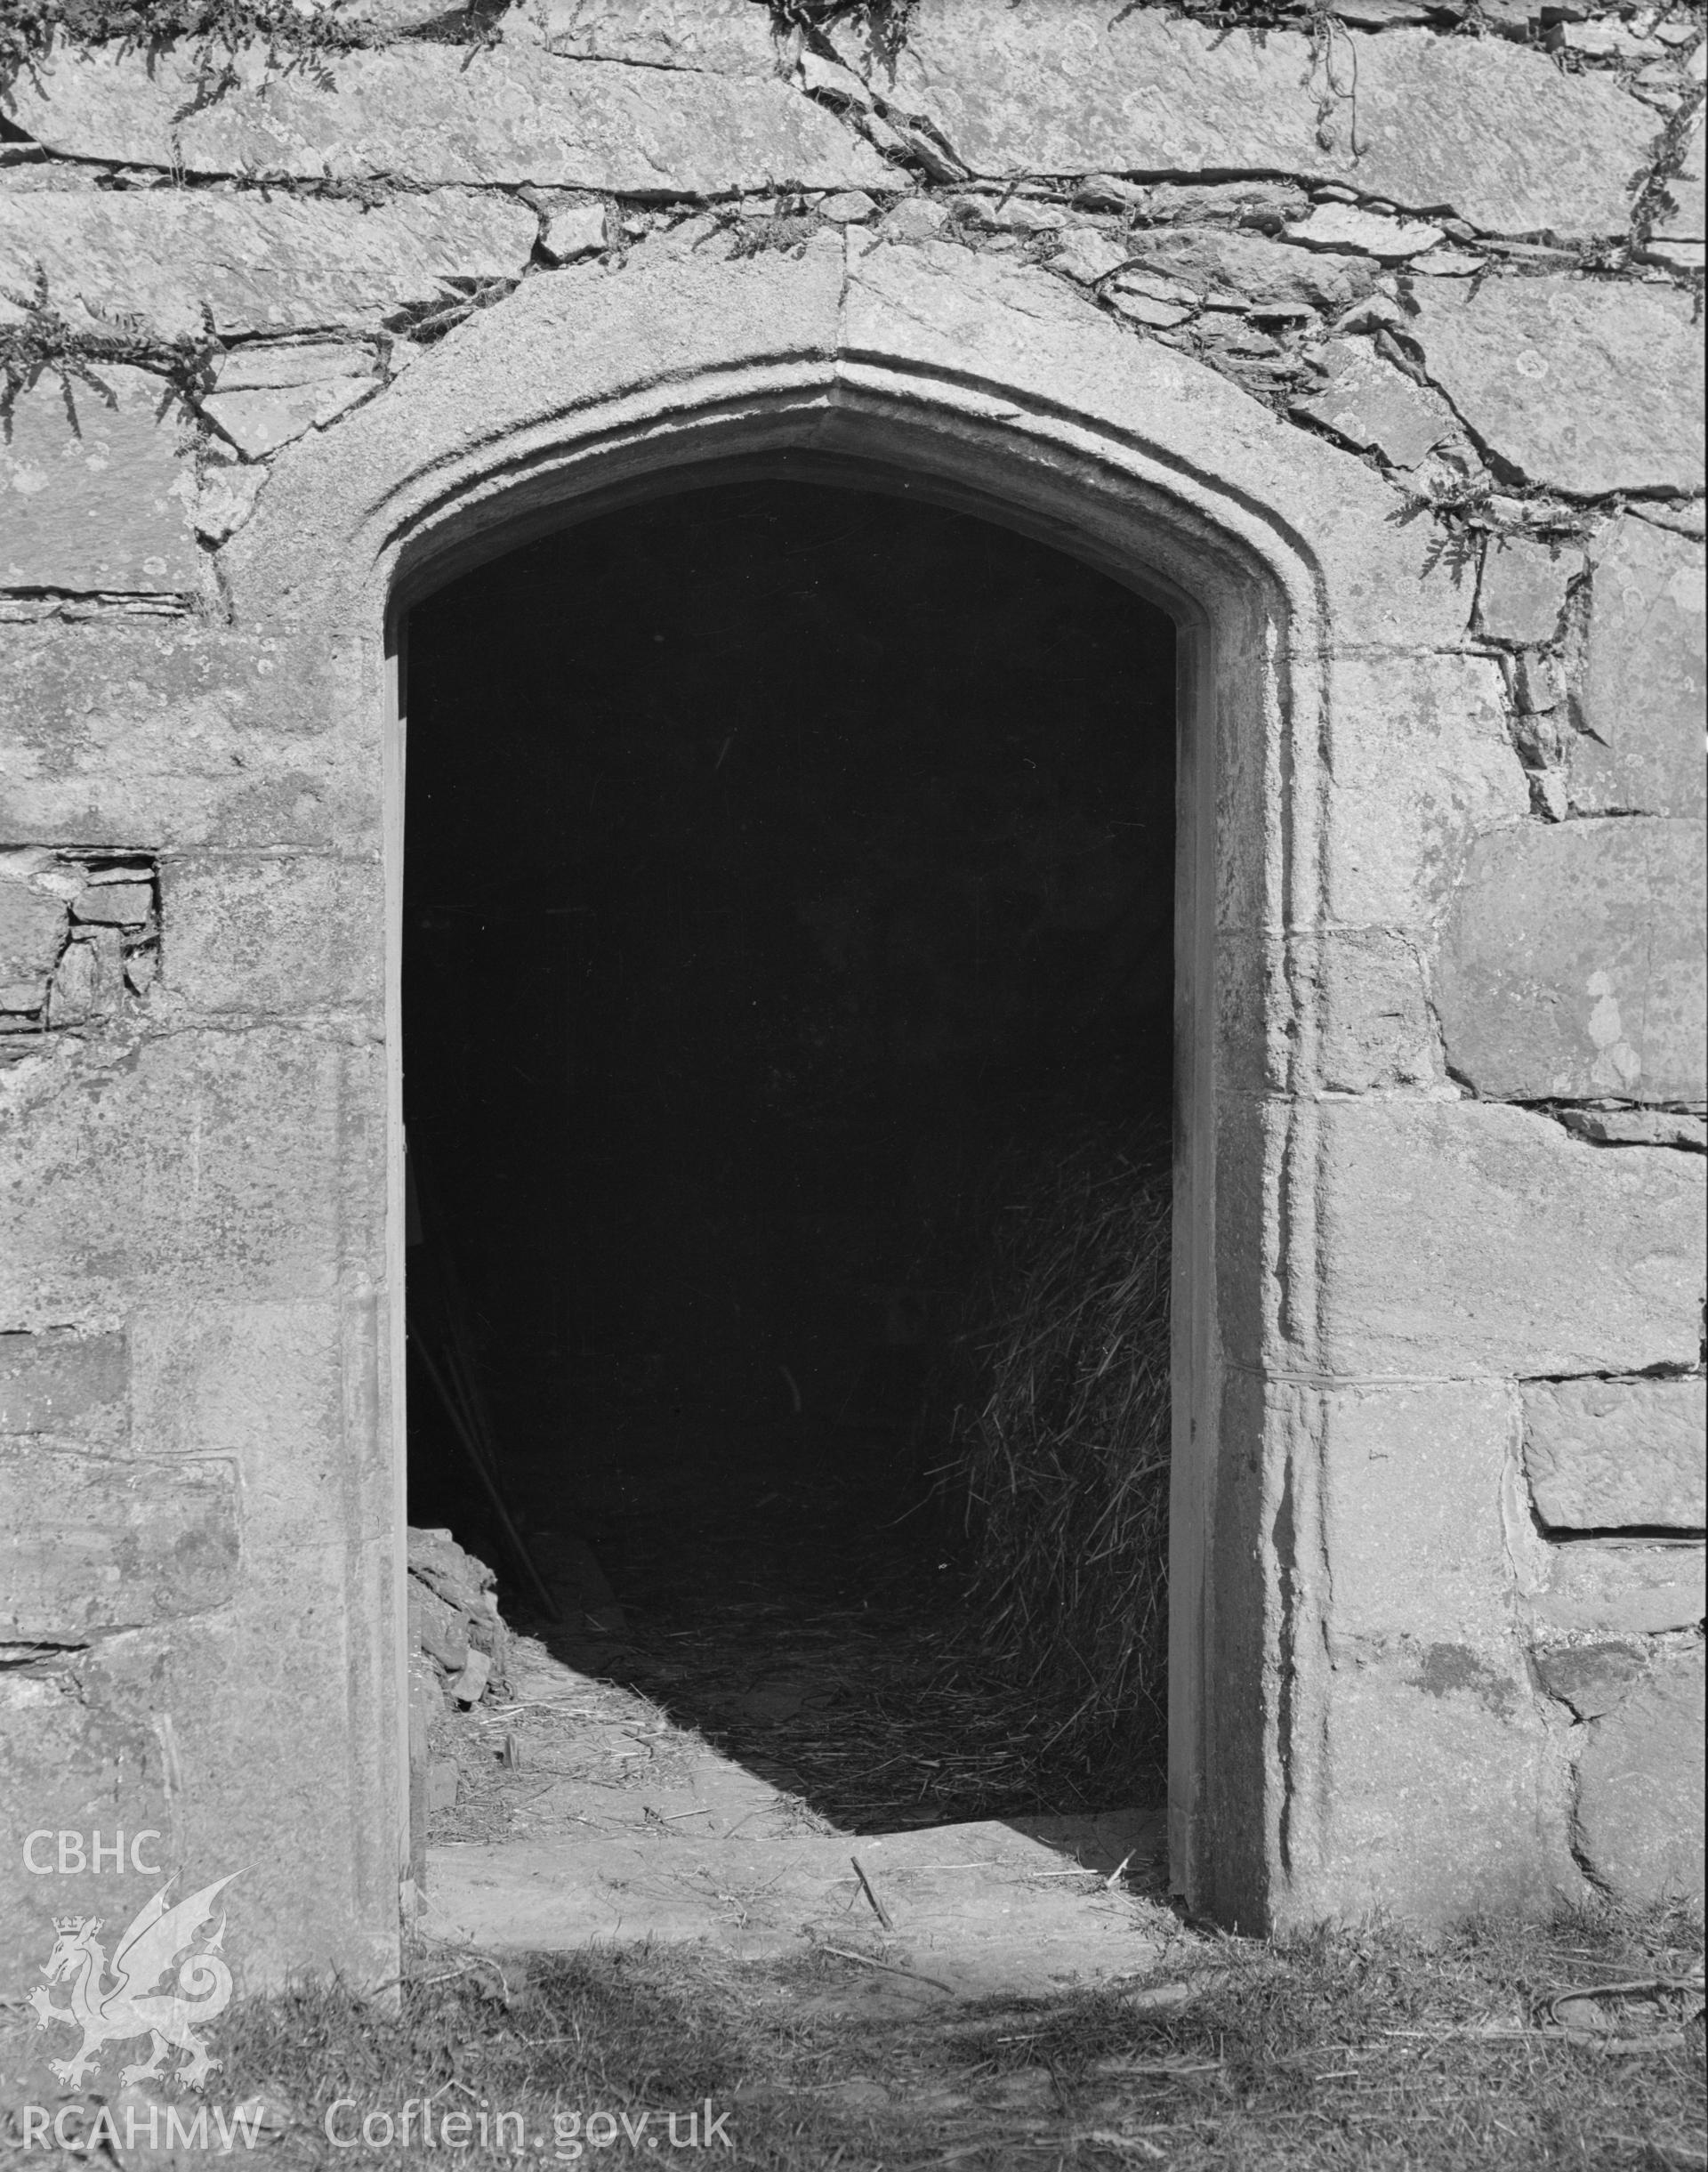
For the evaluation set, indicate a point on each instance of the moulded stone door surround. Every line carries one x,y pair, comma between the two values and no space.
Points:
1335,743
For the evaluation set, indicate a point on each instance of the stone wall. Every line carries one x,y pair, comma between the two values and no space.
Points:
1444,262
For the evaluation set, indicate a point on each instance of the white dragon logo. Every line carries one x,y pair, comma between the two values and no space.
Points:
158,1940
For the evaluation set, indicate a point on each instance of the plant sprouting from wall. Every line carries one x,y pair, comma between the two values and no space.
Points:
45,343
29,27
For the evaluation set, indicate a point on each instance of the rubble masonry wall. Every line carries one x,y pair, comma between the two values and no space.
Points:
1371,340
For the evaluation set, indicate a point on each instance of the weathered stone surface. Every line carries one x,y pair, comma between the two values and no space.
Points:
1420,760
1581,385
1637,1127
256,263
90,1544
1620,1588
230,1165
1370,404
438,114
289,1816
579,231
1088,255
78,1765
731,37
284,1392
259,422
848,207
1367,991
32,922
1417,1471
273,935
64,1382
1522,590
1448,263
1131,299
1599,1454
1537,682
829,79
1464,1239
1344,226
263,397
1266,205
93,488
119,905
1639,746
1376,1029
1591,1678
263,1383
89,981
921,218
225,496
1012,215
1640,1789
1492,133
1571,963
175,731
1435,1790
1222,259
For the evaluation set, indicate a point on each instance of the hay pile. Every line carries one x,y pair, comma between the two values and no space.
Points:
1060,1450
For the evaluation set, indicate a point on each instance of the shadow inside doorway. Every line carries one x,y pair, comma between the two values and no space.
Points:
789,880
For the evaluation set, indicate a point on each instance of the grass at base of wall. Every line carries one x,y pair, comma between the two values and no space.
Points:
1348,2049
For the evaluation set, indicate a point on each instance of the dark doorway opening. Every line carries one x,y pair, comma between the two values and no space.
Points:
789,881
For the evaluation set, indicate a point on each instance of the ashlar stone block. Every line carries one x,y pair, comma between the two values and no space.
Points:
1639,1788
1437,1796
32,925
264,398
1639,744
1602,1455
1484,129
1366,991
497,115
63,1381
217,1165
1620,1588
1583,386
1372,406
90,1544
274,263
1465,1239
1571,963
175,732
1522,592
1420,761
94,489
272,934
1414,1474
81,1765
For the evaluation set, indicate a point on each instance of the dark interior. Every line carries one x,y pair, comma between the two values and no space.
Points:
785,860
